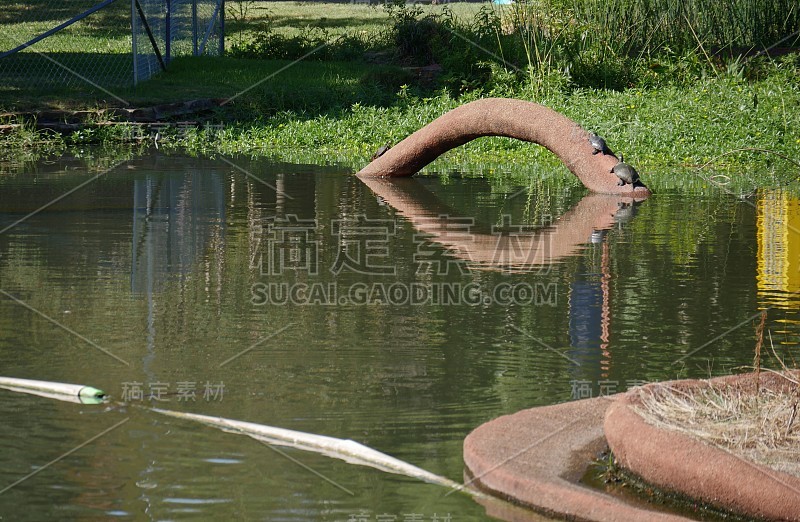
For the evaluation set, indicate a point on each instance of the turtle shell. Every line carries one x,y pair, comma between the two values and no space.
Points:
598,144
626,173
381,151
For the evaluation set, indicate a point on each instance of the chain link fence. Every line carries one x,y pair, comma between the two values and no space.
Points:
165,29
104,43
96,48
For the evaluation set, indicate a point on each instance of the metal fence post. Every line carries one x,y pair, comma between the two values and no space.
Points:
189,26
168,35
194,27
134,42
222,28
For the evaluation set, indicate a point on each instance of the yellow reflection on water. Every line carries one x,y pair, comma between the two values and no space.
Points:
778,230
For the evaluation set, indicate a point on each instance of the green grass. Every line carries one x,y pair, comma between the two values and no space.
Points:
668,113
107,30
668,133
259,86
262,88
290,18
643,26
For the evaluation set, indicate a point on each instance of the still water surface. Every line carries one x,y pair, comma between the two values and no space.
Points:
400,315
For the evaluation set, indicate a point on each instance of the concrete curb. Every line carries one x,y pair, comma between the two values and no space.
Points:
536,458
680,463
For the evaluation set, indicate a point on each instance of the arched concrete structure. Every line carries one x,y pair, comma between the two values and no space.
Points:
518,119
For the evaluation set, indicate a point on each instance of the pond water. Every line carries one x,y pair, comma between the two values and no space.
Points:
400,315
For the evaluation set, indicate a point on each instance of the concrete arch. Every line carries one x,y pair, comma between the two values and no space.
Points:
511,118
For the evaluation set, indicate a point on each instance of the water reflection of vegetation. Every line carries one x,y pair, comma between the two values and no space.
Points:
410,380
679,264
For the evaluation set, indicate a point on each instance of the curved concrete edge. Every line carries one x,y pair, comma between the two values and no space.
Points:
511,118
680,463
536,458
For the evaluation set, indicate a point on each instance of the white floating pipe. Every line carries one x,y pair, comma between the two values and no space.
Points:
347,450
55,390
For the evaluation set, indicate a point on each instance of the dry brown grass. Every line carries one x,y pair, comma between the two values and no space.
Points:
762,426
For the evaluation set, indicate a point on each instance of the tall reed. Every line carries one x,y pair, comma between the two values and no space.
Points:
646,26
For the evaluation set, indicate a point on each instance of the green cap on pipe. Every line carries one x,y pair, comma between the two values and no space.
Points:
87,392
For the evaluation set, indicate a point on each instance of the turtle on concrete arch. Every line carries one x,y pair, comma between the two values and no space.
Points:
598,144
626,173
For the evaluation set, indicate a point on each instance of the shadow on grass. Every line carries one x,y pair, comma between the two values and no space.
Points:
270,86
327,23
113,21
31,80
42,11
258,87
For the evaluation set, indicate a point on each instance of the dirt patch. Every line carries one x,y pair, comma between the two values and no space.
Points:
64,121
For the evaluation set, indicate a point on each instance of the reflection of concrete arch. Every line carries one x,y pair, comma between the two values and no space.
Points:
566,236
585,222
518,119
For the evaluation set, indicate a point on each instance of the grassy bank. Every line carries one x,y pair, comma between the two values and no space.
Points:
668,132
670,101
